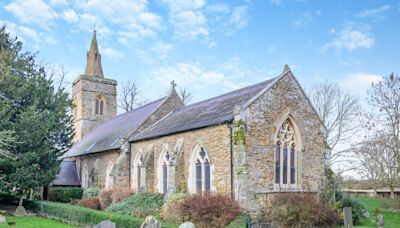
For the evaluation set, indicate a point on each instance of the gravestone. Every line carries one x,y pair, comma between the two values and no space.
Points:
187,225
151,222
348,218
20,211
380,223
105,224
2,216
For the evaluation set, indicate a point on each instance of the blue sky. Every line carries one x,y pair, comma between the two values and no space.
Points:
211,47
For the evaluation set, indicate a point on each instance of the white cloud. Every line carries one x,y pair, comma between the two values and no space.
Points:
159,51
162,49
70,16
112,53
351,39
189,24
219,8
185,74
58,2
184,5
239,17
376,13
32,11
359,83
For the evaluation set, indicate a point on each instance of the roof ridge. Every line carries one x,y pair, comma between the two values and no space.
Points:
224,94
147,104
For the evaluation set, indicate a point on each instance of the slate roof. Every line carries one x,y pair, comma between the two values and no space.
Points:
111,133
67,176
209,112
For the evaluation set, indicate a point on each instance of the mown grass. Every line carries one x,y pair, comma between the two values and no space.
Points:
392,219
34,222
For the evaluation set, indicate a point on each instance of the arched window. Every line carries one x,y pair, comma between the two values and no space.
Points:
108,179
199,171
138,163
85,177
163,171
99,107
286,148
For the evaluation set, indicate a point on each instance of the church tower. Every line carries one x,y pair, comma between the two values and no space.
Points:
94,97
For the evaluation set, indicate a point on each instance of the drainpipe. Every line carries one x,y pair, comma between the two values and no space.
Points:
129,165
231,157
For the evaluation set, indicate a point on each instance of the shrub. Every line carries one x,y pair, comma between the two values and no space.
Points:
105,198
90,192
298,210
358,210
120,194
141,204
92,203
210,208
172,210
64,194
240,221
86,217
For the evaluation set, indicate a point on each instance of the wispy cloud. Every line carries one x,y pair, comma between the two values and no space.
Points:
32,12
360,82
112,53
377,13
351,38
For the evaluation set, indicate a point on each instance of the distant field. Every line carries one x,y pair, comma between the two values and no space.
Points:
34,222
392,219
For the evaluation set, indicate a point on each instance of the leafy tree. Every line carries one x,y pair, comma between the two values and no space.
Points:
38,112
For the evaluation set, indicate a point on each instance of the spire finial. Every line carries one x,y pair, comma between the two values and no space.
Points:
286,69
173,84
93,64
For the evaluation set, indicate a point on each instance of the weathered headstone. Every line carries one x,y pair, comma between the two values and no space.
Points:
2,216
105,224
348,218
151,222
187,225
380,223
20,211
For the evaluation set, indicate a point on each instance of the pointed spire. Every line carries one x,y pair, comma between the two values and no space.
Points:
286,69
93,64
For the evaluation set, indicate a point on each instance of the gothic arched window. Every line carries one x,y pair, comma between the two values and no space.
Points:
108,180
138,164
199,171
163,171
99,106
85,177
286,156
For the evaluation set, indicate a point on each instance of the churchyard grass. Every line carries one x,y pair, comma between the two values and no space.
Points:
34,222
392,219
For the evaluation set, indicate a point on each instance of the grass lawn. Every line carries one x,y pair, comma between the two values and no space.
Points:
392,219
34,222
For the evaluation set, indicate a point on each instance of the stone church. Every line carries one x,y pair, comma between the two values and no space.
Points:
248,143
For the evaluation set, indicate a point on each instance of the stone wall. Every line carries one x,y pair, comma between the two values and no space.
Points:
85,90
214,139
97,166
254,161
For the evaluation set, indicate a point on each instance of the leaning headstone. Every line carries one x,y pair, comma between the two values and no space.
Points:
20,211
348,218
187,225
151,222
105,224
2,216
380,223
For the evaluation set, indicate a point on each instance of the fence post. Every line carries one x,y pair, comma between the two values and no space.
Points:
348,218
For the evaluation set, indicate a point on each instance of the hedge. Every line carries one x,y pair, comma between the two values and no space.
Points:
85,217
64,194
241,221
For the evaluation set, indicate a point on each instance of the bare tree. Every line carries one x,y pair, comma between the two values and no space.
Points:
379,163
338,110
185,95
129,96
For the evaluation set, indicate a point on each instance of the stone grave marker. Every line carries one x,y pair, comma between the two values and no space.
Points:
187,225
151,222
348,218
105,224
380,223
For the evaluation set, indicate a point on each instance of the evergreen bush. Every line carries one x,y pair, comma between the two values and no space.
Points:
141,205
64,194
90,192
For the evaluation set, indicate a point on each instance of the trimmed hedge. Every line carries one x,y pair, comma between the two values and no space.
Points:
64,194
240,221
90,192
85,217
141,204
